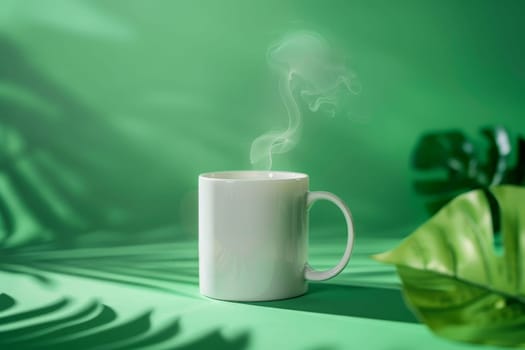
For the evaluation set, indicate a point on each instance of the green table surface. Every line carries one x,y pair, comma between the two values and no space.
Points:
145,294
109,110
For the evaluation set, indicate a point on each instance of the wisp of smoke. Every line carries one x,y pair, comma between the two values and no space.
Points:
311,75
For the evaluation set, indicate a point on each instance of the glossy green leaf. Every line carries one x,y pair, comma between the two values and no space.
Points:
455,279
449,163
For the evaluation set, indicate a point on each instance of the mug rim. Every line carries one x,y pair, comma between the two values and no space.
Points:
253,175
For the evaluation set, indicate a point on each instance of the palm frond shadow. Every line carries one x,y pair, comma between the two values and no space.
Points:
64,167
163,263
6,302
97,326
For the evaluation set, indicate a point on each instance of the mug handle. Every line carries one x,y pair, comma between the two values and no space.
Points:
310,273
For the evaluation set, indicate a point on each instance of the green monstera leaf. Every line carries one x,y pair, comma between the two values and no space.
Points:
448,163
459,279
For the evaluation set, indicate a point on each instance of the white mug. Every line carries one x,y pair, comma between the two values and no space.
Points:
253,235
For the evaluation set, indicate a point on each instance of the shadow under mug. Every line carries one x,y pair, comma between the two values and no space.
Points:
253,235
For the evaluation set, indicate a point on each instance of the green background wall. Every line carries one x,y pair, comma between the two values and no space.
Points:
109,110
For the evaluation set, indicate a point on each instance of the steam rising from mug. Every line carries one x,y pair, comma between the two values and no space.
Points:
310,73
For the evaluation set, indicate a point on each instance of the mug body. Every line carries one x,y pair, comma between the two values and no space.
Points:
252,235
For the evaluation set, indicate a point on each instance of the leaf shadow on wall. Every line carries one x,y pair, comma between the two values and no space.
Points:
64,167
